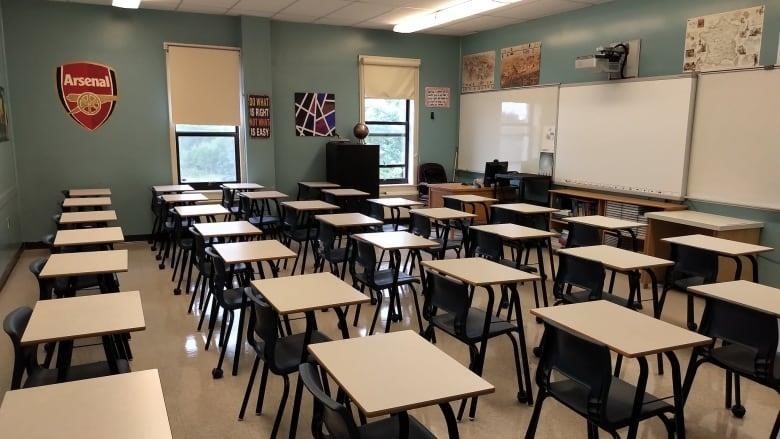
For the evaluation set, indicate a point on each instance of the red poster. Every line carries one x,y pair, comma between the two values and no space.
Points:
88,92
259,116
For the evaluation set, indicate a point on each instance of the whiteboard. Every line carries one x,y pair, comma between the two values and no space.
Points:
627,136
508,125
735,151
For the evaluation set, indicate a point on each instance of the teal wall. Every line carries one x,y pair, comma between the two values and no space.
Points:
660,24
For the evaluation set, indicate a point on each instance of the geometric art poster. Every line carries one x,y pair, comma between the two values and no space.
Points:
728,40
479,72
88,92
520,65
315,114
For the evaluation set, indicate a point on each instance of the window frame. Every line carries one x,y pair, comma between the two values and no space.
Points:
210,185
406,134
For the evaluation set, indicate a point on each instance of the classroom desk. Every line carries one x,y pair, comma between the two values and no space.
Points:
170,188
72,265
263,195
310,190
242,186
437,191
346,222
724,247
96,202
90,216
480,272
394,204
525,208
91,236
610,224
305,294
445,215
227,229
77,193
348,199
472,200
686,222
125,406
68,319
743,293
207,210
638,337
394,242
304,217
183,198
407,361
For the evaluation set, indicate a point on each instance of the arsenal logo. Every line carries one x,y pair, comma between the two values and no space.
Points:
88,92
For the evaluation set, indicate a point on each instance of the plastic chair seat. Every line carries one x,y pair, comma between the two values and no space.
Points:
336,255
305,234
384,279
684,283
584,296
82,283
475,323
233,298
288,350
42,377
389,429
741,359
264,220
619,402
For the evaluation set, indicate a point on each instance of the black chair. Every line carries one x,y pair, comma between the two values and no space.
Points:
692,266
205,269
337,418
579,280
377,211
448,307
297,228
229,203
182,250
26,357
421,226
280,355
326,250
582,235
429,173
578,373
364,272
744,344
49,288
265,218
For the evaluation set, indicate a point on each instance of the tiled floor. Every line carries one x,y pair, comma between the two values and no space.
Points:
200,407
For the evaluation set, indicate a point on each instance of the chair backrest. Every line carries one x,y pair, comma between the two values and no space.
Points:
376,211
502,216
245,207
580,273
432,173
448,295
581,235
419,225
487,245
45,289
363,257
326,240
24,356
335,416
291,218
452,203
692,262
199,250
585,362
227,198
263,330
221,277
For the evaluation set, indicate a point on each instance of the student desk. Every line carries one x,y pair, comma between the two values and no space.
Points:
744,293
88,217
77,193
68,319
686,222
444,215
91,236
227,229
471,201
242,186
420,373
125,406
525,209
480,272
437,191
100,263
305,294
724,247
207,210
97,202
263,195
346,222
171,188
630,334
394,204
609,224
348,199
310,190
304,212
183,198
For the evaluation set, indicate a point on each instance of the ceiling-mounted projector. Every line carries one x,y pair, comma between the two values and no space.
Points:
609,59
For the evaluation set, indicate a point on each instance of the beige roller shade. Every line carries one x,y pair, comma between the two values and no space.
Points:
389,78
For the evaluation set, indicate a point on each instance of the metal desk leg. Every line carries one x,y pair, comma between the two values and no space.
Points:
449,417
754,262
541,270
395,263
679,400
311,325
526,393
641,386
738,272
64,352
480,360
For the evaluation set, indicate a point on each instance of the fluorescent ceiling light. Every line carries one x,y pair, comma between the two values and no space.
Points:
129,4
452,13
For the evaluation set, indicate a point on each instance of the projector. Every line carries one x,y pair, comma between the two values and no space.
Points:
609,59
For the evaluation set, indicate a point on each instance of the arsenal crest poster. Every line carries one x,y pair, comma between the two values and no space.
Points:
88,92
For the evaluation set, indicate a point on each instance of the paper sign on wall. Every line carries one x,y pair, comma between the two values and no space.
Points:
259,107
88,92
437,97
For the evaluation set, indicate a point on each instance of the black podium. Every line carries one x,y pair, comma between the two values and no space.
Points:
353,165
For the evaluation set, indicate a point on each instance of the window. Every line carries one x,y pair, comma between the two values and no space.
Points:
204,93
389,122
388,91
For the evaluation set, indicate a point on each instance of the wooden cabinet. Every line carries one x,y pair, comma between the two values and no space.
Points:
436,191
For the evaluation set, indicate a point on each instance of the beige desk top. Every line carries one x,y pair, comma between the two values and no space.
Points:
201,210
525,208
86,202
704,220
395,240
624,331
744,293
84,316
718,245
124,406
97,235
308,292
616,258
348,220
227,228
470,198
184,198
604,222
242,186
172,188
395,202
263,195
309,205
443,213
85,263
103,192
479,271
90,216
318,184
345,192
514,232
421,375
251,251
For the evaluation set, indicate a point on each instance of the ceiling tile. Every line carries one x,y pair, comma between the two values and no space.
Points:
264,8
396,15
160,4
216,4
533,9
358,11
298,18
314,8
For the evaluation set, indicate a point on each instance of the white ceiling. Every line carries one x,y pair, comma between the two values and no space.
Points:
374,14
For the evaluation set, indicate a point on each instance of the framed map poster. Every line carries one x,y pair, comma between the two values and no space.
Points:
729,40
520,65
479,72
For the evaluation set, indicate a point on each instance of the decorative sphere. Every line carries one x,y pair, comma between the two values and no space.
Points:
360,131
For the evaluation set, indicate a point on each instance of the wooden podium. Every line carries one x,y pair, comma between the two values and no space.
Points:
437,191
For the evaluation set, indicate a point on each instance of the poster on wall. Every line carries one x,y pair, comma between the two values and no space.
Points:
479,72
315,114
3,117
259,107
520,65
88,92
437,97
728,40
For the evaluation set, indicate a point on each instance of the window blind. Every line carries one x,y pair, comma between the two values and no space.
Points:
389,78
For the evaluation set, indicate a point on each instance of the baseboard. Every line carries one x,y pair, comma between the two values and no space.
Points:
10,267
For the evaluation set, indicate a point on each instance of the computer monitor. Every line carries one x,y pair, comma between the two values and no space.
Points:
493,168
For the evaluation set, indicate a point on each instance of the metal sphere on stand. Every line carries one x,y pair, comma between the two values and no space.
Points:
360,131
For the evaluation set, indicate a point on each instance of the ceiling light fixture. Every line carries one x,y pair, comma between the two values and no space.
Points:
452,13
128,4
